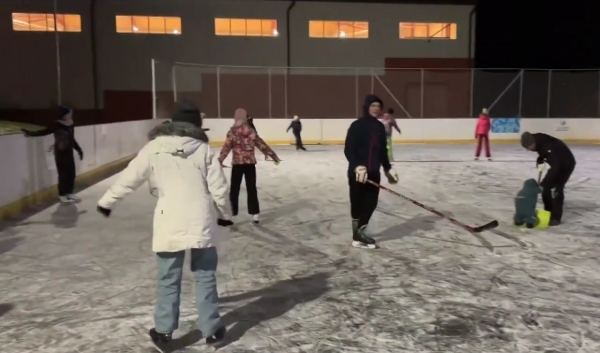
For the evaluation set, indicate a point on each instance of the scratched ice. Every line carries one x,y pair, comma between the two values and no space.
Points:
72,281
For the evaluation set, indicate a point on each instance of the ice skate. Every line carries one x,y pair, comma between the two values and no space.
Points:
161,341
255,219
65,199
360,239
489,159
217,337
476,158
73,198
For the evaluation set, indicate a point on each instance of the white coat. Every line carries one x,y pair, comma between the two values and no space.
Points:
186,176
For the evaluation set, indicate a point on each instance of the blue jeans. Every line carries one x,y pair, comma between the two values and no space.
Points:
170,272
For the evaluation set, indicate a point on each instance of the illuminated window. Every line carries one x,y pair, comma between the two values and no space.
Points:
427,30
45,22
148,24
338,29
245,27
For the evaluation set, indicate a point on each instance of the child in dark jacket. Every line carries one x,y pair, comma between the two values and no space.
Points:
525,203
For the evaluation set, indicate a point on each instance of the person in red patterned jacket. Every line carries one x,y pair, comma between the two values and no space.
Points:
241,140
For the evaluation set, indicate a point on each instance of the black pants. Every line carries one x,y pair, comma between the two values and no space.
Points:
363,200
299,145
65,166
554,203
249,172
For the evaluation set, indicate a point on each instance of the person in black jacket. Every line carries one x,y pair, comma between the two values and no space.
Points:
366,152
296,127
64,144
250,121
559,157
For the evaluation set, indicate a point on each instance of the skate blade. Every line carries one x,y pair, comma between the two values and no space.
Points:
359,245
159,349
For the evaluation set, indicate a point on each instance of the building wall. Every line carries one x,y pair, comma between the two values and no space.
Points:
123,60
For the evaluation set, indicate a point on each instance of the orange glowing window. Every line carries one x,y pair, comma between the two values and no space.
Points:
245,27
148,24
338,29
420,30
46,22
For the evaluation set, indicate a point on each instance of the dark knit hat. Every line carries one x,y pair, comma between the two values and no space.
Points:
527,140
62,111
370,99
187,112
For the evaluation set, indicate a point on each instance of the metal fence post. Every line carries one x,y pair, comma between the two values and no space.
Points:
422,92
598,114
174,81
285,92
521,94
218,92
270,99
471,99
57,46
153,62
548,95
356,92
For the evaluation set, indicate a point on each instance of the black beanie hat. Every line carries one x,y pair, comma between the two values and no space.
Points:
62,111
187,112
370,99
527,139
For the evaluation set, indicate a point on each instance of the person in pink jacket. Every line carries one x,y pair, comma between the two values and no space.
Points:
482,131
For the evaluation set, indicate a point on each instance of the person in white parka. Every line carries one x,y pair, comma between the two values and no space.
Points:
192,210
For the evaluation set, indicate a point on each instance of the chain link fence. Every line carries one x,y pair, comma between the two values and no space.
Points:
281,92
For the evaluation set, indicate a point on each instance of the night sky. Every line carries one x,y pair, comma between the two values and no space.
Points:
556,35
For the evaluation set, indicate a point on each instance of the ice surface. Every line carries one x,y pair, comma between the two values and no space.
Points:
72,281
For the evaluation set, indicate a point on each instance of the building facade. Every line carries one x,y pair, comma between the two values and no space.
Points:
105,50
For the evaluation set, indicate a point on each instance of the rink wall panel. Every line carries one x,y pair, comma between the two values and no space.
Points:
28,172
333,131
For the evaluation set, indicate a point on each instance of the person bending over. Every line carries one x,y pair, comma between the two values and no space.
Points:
559,157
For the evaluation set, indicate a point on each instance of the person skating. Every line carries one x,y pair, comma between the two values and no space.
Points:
64,144
482,133
250,122
389,122
241,141
192,209
296,126
366,151
559,157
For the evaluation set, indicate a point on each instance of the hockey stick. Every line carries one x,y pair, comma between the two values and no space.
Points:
491,225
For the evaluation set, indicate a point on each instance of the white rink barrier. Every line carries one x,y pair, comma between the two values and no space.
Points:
27,164
333,131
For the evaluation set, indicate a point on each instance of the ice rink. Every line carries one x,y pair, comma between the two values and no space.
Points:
72,281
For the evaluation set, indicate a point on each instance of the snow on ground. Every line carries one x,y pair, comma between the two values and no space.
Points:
72,281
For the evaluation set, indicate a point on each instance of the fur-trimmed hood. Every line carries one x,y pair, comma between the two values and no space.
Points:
178,129
177,138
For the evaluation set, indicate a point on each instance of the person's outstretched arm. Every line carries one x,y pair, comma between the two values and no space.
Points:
136,173
217,185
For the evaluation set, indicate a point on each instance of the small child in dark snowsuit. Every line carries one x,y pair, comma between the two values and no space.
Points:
525,204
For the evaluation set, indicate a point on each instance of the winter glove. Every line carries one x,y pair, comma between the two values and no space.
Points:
224,222
540,160
530,225
104,211
80,152
392,176
25,132
541,167
361,174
